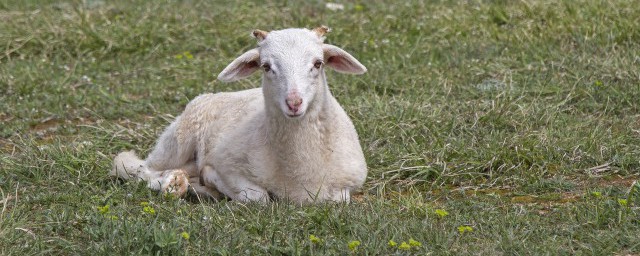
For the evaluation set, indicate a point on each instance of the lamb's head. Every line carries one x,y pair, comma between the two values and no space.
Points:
293,62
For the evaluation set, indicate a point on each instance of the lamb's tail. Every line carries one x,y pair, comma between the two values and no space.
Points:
127,165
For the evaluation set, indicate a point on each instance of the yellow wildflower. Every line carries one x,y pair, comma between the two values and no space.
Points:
463,229
315,239
149,210
404,246
442,213
622,202
414,243
103,209
353,245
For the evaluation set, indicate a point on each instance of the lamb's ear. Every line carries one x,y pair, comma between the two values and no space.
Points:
241,67
341,61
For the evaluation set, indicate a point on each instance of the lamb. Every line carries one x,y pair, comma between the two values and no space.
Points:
290,139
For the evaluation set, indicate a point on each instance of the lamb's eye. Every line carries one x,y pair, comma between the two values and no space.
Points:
317,64
266,67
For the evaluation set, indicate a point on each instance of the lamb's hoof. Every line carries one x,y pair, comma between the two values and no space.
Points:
198,190
175,183
127,165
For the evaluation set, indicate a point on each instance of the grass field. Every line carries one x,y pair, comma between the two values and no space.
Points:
489,127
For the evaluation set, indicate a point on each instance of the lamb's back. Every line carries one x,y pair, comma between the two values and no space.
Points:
209,116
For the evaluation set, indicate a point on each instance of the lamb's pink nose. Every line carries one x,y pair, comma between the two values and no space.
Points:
294,102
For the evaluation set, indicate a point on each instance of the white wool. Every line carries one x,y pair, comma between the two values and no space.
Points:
290,138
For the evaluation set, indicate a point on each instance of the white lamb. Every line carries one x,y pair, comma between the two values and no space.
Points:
289,139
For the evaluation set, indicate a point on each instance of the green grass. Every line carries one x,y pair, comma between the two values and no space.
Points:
521,119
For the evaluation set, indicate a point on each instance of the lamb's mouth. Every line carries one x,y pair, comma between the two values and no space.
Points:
294,115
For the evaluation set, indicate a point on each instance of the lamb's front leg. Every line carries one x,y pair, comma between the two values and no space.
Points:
234,185
127,165
340,195
168,167
325,194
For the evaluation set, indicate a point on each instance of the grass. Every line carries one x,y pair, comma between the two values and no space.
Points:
518,119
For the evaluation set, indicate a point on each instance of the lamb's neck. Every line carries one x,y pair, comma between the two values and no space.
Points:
309,130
